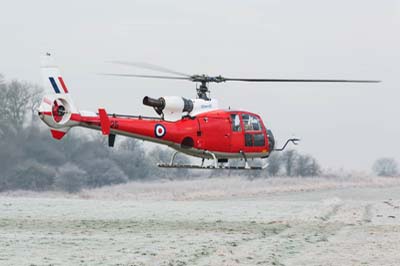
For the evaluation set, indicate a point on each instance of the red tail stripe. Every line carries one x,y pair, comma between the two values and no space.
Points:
63,84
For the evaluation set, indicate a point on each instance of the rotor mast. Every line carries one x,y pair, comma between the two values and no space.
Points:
202,91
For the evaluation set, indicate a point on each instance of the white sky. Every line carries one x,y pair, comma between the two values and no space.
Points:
342,125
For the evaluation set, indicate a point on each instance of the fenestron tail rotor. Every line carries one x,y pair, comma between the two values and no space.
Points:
202,90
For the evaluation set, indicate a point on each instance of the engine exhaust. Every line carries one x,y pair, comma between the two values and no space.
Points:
157,104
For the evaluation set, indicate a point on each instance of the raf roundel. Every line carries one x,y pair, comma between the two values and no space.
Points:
159,131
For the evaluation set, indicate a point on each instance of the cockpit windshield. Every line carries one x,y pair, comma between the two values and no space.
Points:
251,123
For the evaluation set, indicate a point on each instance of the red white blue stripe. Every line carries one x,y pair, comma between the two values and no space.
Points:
56,86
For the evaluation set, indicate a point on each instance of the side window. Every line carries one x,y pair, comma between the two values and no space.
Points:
236,123
246,124
248,140
259,140
255,123
251,123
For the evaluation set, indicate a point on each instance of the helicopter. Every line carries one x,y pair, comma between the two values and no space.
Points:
195,127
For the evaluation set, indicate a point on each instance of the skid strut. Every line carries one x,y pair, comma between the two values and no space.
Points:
246,164
173,165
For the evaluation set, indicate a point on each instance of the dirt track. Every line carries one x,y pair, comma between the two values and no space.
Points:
340,226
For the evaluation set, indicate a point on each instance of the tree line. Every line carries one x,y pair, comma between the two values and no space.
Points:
31,160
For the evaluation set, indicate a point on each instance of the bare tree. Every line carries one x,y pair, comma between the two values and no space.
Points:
307,166
3,98
2,82
31,175
16,99
289,159
103,171
385,167
36,95
131,157
70,178
274,164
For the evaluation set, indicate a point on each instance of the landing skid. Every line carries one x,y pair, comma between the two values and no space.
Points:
215,164
220,166
209,167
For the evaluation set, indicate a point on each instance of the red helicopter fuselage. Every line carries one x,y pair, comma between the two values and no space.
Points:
226,134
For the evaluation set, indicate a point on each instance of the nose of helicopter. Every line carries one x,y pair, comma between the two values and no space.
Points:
271,140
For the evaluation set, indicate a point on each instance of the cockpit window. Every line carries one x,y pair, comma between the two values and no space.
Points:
236,123
251,123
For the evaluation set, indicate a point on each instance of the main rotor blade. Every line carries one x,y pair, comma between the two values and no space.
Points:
150,67
144,76
302,80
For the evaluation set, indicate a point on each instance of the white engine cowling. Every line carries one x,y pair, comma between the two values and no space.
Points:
202,106
174,107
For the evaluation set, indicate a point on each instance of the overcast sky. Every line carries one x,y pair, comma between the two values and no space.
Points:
343,125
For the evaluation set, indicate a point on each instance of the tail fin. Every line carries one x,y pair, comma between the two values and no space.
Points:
52,79
57,106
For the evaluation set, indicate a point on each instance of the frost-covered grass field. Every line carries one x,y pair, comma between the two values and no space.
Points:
220,221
